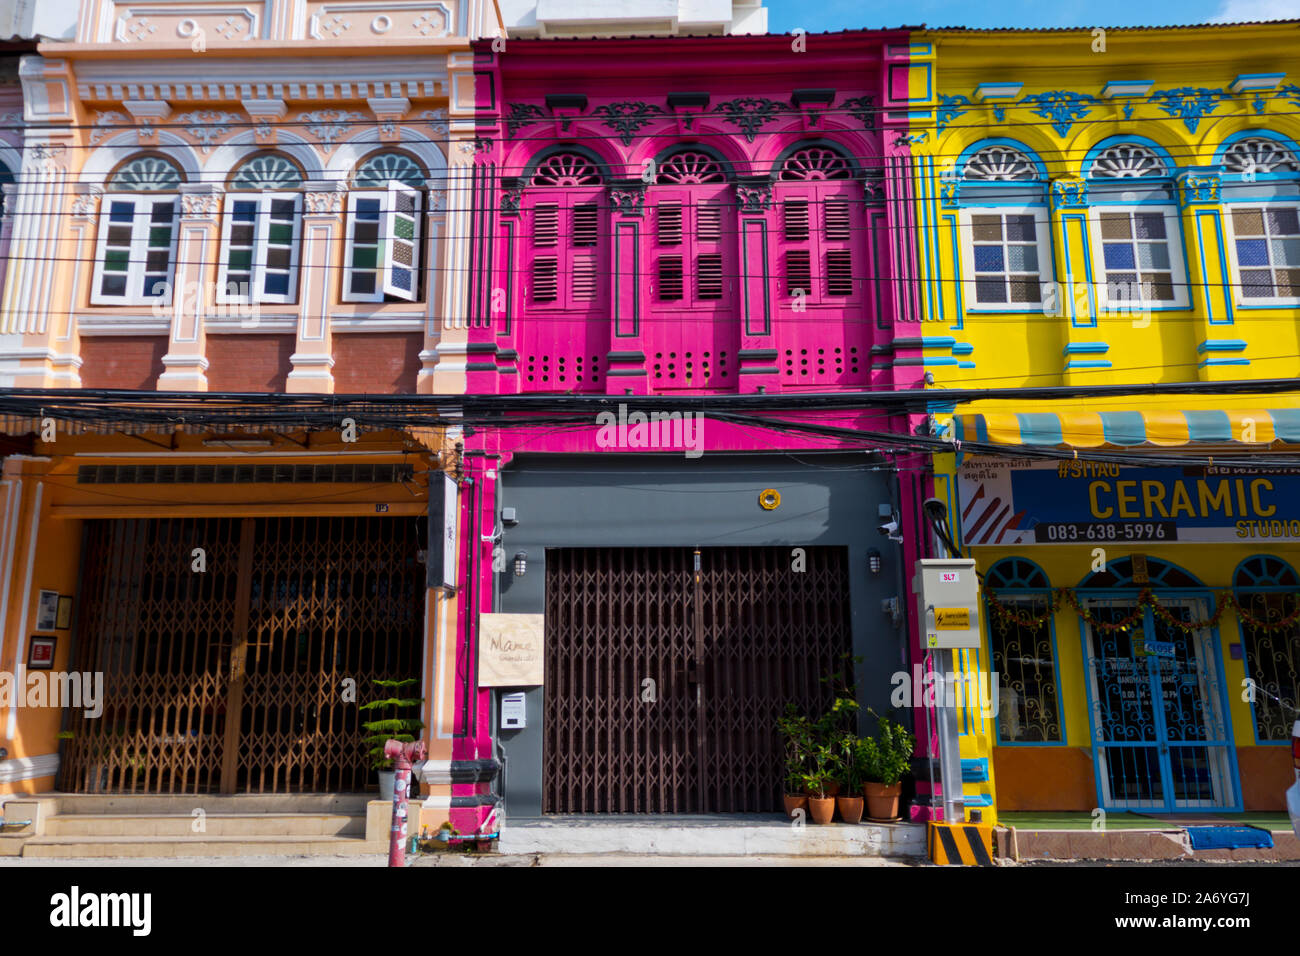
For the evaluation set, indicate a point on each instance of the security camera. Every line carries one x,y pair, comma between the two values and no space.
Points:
889,529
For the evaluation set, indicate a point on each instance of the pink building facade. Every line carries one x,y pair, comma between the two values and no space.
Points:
674,223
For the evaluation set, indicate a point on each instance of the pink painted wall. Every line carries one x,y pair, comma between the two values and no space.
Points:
589,192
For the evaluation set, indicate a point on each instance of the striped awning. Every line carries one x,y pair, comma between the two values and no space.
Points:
1129,428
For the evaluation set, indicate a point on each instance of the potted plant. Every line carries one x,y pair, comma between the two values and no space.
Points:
797,734
849,759
390,724
887,757
817,780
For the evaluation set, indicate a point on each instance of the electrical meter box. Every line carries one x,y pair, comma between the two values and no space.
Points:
947,594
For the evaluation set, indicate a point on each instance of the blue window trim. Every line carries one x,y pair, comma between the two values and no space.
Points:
1091,156
1241,632
1032,156
1056,657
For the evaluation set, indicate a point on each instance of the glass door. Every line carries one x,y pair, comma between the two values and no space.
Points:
1160,740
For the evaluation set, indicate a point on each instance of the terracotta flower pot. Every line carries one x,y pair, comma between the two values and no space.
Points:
850,808
882,800
822,809
793,802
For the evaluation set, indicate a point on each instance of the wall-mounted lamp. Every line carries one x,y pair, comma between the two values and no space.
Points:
521,563
873,561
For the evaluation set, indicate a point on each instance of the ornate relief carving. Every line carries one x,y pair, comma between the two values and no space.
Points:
104,123
521,115
628,199
1061,107
1069,193
201,204
1188,103
750,113
328,125
754,197
86,206
207,126
626,118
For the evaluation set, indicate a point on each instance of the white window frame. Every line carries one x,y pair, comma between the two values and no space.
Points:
1046,267
261,228
1177,264
141,220
1239,297
384,287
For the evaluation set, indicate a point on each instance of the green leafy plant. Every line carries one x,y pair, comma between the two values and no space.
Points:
390,724
817,779
850,762
887,756
796,733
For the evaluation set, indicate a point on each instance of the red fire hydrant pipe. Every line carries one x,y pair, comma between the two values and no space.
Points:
402,756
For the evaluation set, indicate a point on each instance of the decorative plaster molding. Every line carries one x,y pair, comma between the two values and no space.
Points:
328,125
207,126
1062,107
1069,193
754,197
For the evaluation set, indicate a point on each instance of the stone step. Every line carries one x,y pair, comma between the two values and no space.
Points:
215,824
130,803
199,845
715,836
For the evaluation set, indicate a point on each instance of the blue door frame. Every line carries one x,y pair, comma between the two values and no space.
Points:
1187,763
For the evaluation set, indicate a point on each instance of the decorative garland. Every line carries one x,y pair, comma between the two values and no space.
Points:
1146,598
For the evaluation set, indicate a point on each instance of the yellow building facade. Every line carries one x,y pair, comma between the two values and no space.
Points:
1116,211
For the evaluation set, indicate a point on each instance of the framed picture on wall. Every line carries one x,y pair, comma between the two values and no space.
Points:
63,620
40,653
47,610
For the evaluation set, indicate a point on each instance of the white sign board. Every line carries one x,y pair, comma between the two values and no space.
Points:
510,650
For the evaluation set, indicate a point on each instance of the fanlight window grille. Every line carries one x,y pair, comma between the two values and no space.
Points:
815,163
566,169
145,174
1000,164
266,172
689,169
1260,155
378,171
1128,161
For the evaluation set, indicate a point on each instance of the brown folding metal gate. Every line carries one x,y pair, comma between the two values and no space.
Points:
232,679
666,669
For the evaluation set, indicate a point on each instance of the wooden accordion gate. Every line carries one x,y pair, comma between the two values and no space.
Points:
232,679
666,669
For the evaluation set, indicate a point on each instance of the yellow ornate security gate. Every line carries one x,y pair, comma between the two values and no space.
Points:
666,669
232,678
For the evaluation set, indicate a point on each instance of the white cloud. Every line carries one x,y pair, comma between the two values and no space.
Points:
1239,11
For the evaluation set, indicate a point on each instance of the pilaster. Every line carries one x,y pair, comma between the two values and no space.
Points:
312,359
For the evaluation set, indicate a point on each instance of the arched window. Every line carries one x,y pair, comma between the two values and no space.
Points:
566,233
1160,574
260,232
1000,164
382,244
691,262
1023,649
1259,154
1127,161
818,225
1006,253
690,167
136,247
1261,192
1135,227
1268,591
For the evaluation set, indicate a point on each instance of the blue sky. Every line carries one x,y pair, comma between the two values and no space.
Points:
818,15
